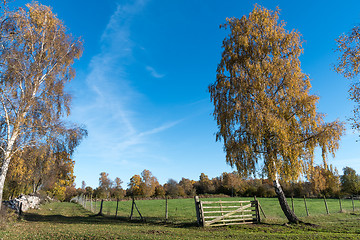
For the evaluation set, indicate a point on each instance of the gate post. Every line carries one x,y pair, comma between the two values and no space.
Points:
198,211
257,210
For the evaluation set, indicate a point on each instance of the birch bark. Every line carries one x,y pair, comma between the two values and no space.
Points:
290,215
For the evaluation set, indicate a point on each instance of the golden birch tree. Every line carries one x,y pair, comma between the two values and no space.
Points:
148,184
266,117
348,45
36,58
118,191
135,185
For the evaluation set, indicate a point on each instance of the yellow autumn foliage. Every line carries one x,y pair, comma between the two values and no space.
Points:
265,114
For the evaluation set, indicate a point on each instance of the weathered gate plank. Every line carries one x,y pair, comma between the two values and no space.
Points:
225,213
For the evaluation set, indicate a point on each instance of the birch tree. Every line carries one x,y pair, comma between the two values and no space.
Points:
348,65
105,184
266,117
134,185
148,184
36,58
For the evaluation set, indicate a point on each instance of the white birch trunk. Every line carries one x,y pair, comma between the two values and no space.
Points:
290,215
5,166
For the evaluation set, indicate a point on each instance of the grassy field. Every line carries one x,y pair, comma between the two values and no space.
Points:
71,221
183,210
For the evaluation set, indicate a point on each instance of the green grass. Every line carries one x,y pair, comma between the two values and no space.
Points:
71,221
183,210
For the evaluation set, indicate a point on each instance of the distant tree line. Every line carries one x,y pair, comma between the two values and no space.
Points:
321,181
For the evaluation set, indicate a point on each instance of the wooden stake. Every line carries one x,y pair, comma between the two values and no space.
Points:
101,207
91,204
307,212
326,206
166,208
117,207
197,208
340,204
141,217
258,219
352,199
262,210
132,208
292,204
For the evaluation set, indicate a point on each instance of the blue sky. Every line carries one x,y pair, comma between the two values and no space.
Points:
141,85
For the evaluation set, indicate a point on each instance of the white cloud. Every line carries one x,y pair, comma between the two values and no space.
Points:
154,73
115,136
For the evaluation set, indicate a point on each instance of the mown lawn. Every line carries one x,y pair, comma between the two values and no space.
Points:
71,221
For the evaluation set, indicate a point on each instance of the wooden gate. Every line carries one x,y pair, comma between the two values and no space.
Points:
219,213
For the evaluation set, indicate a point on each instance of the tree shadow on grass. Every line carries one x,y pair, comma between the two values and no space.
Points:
33,217
104,220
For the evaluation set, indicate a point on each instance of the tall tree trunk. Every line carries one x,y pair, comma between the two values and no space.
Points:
290,215
6,162
3,171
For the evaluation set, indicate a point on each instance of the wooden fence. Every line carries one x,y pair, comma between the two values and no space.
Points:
219,213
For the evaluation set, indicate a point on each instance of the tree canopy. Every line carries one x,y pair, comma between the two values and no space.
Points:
350,181
263,106
348,65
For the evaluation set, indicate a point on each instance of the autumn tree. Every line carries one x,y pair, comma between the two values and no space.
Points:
39,168
204,185
70,192
134,185
104,184
324,180
159,191
60,176
265,114
117,190
172,188
188,186
89,191
231,183
36,58
350,181
348,65
148,184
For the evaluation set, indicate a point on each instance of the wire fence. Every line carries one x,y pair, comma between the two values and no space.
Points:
182,211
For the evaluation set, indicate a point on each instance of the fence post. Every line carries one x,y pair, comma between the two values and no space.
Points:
132,208
326,206
101,208
352,200
197,207
340,205
117,207
166,208
307,212
91,204
292,204
258,219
